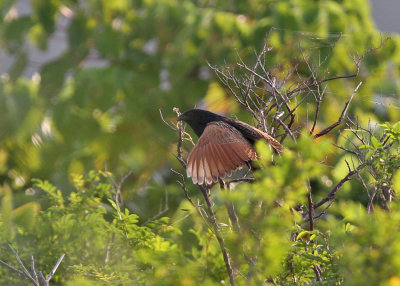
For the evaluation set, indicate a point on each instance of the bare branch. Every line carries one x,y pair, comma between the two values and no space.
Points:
310,210
160,213
34,270
287,129
357,63
324,210
117,186
21,264
170,124
37,278
342,116
42,278
55,268
237,180
317,271
347,150
319,100
108,250
11,268
183,186
332,193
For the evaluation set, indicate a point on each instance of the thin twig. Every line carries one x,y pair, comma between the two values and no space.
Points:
310,210
37,278
34,270
317,271
160,213
355,74
11,268
287,129
183,186
237,180
347,150
324,210
316,268
55,268
108,250
172,126
21,264
342,116
332,193
317,110
117,186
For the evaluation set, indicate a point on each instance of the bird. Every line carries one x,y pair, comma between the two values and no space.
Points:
224,145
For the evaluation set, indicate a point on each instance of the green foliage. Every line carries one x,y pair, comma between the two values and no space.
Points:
104,244
367,247
392,130
100,240
155,54
383,162
108,245
71,119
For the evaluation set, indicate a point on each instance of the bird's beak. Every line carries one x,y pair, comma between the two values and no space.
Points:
181,117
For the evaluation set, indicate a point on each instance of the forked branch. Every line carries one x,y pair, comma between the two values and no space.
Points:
37,278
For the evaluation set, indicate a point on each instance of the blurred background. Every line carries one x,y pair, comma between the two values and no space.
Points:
82,82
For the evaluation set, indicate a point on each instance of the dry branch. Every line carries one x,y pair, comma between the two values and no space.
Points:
37,278
341,118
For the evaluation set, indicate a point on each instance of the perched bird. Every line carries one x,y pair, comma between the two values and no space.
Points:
224,145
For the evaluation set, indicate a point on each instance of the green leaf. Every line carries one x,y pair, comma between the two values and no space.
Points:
302,234
365,147
369,154
376,143
348,227
114,205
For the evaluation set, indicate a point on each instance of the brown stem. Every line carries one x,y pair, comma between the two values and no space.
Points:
341,118
221,242
310,210
316,268
332,193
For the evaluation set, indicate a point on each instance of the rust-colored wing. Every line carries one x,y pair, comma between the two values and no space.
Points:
253,134
220,150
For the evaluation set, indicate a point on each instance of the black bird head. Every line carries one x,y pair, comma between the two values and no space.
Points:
199,118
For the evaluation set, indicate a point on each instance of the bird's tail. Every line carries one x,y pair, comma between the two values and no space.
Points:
273,142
